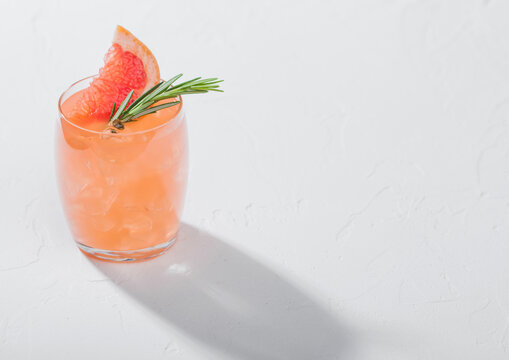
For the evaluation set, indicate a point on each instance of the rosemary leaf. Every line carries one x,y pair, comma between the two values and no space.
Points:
153,109
122,106
112,111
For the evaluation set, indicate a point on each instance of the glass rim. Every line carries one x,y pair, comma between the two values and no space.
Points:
62,115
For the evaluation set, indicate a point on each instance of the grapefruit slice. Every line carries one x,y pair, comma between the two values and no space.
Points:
128,65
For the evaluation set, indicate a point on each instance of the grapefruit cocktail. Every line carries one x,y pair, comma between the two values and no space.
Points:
122,154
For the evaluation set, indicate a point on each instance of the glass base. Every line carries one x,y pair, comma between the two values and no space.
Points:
127,255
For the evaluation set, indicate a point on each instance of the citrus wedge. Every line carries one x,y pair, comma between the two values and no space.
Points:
128,65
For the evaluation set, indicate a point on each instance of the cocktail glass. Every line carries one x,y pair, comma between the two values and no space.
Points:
122,193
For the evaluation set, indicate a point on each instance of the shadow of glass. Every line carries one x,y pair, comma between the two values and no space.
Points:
229,301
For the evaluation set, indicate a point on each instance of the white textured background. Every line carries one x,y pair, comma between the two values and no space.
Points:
348,195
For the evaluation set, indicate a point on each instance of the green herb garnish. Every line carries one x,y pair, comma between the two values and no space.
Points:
164,90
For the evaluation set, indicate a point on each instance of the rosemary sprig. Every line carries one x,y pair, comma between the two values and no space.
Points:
164,90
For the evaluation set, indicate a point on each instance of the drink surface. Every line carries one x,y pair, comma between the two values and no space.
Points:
71,107
123,191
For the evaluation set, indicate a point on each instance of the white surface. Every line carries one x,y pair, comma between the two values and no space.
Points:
348,195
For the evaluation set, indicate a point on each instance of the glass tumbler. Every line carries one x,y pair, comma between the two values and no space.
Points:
122,193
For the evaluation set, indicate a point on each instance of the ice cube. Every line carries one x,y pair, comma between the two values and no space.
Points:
74,188
137,222
97,200
102,223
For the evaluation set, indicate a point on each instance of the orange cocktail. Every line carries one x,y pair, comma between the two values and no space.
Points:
121,146
122,192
